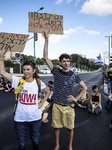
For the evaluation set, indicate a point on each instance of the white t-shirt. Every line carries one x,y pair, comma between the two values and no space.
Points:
27,108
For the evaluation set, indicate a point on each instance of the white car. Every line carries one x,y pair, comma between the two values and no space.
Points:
76,70
45,70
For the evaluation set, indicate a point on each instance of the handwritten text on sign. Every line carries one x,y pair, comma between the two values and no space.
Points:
39,22
13,42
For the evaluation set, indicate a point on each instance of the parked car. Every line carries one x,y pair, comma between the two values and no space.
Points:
16,61
45,70
76,70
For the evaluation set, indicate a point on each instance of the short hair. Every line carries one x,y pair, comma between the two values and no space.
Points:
64,56
94,87
3,79
51,82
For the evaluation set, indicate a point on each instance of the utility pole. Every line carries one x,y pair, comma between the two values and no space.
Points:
36,36
108,48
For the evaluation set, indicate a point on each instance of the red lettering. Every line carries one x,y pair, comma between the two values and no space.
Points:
24,36
37,25
30,24
1,34
45,26
12,35
17,35
40,25
30,98
23,97
36,19
34,25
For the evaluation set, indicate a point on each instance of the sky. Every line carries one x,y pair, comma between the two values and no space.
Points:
86,24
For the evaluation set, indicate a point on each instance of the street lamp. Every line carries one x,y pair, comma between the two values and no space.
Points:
36,36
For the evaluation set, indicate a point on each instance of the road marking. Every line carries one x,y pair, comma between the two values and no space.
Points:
6,114
82,123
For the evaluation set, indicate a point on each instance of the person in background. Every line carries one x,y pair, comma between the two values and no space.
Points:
95,101
109,80
50,87
83,101
108,105
2,83
8,87
28,112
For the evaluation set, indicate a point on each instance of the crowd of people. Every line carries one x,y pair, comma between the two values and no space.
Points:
5,85
28,113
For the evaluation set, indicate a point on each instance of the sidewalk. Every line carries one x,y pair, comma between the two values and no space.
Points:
21,75
105,89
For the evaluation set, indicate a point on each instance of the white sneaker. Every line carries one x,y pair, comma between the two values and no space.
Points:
6,91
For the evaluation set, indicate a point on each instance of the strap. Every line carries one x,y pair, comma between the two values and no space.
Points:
17,91
67,84
20,85
39,86
96,94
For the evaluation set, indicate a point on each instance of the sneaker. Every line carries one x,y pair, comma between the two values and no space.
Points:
85,107
46,121
111,126
6,91
108,108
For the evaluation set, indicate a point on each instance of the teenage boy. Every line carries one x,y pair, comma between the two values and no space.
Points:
63,95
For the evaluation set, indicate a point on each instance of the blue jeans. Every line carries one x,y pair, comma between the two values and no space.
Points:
96,111
21,131
109,102
109,86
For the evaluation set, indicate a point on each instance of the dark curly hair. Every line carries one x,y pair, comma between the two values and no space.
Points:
32,64
94,87
64,56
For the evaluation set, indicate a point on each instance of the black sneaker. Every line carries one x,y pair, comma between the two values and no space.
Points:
108,108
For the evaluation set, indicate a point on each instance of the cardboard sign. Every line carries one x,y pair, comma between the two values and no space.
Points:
39,22
13,42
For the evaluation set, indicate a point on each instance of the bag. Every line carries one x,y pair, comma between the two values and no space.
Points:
17,91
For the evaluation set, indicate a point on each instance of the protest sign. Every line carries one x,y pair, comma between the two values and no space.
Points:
13,42
39,22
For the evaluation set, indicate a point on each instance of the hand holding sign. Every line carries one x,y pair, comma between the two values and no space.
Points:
45,35
2,53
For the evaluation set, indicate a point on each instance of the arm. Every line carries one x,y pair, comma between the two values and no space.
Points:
99,101
109,97
84,88
45,52
91,99
106,75
87,97
2,66
45,98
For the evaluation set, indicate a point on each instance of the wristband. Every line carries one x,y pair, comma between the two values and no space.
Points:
1,59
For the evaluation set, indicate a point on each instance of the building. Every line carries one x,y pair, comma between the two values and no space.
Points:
9,55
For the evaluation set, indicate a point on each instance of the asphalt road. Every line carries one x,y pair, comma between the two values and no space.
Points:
91,131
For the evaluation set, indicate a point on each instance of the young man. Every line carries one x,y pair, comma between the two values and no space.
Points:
63,95
109,80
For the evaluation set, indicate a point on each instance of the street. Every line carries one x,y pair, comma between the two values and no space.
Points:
91,131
